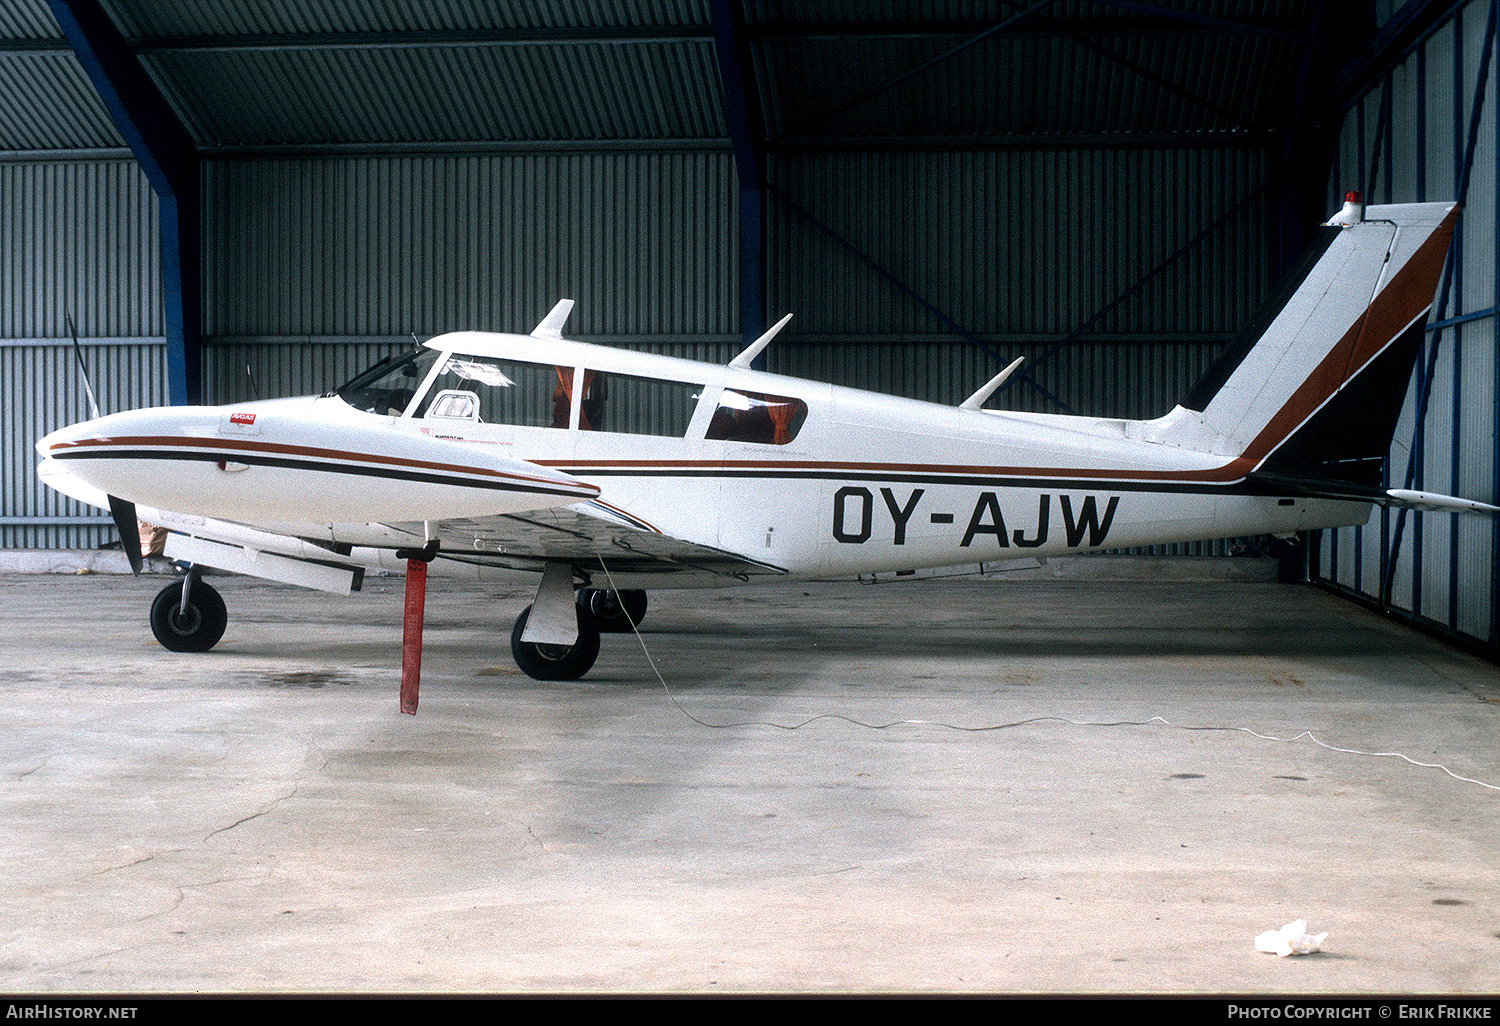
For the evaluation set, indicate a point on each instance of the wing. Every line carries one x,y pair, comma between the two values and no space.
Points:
587,534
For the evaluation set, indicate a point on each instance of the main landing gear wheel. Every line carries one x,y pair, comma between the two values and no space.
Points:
555,662
613,612
196,628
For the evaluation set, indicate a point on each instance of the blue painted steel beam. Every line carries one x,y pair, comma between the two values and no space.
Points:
745,130
169,159
1494,638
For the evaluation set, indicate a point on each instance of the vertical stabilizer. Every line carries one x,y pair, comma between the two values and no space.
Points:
1314,385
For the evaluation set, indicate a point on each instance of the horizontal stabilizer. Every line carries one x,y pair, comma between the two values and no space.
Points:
1430,502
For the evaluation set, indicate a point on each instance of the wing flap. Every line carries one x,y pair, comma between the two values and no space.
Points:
586,533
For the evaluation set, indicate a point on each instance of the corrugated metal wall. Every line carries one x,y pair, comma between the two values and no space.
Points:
385,246
1405,141
76,237
80,237
1019,242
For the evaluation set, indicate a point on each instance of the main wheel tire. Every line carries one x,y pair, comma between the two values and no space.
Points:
613,612
197,628
555,662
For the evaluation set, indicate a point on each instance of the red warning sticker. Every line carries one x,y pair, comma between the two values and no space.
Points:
242,418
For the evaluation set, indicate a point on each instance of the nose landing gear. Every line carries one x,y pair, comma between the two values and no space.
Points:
188,617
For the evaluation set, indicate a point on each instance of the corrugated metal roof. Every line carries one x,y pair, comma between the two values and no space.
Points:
442,94
48,103
300,73
27,19
141,19
1024,84
812,12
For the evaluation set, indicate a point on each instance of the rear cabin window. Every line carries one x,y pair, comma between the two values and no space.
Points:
636,406
757,417
504,391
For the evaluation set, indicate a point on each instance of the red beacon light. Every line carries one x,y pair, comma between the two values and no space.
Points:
1353,212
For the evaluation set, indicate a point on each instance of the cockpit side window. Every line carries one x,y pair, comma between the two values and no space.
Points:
757,417
637,406
508,391
388,387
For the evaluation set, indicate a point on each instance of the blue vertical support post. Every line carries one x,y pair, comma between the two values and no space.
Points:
1494,639
1453,271
166,154
745,131
1421,182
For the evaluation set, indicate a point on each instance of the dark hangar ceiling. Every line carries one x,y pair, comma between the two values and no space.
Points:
263,77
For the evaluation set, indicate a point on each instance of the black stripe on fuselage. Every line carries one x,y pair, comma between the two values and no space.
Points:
1243,486
363,470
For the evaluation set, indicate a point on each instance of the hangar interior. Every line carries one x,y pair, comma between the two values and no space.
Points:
1011,784
261,198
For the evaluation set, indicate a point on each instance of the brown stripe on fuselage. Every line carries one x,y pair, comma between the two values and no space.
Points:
1232,471
241,445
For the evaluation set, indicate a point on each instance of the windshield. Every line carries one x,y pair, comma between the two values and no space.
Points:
389,387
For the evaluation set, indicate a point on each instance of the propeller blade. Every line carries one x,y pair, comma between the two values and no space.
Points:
130,533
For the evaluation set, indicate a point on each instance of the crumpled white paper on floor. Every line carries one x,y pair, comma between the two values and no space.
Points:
1291,939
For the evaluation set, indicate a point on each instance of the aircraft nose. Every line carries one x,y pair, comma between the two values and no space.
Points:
65,435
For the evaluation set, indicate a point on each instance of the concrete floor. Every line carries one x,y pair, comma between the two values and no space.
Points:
262,819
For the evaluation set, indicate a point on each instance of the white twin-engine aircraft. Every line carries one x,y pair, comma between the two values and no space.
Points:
606,472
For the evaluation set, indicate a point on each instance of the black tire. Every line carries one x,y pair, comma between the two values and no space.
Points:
612,611
555,662
196,629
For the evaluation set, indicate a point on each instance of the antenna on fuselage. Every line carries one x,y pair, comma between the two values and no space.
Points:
83,368
552,324
986,390
754,348
121,511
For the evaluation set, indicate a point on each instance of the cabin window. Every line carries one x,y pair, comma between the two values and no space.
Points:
636,406
505,391
757,417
